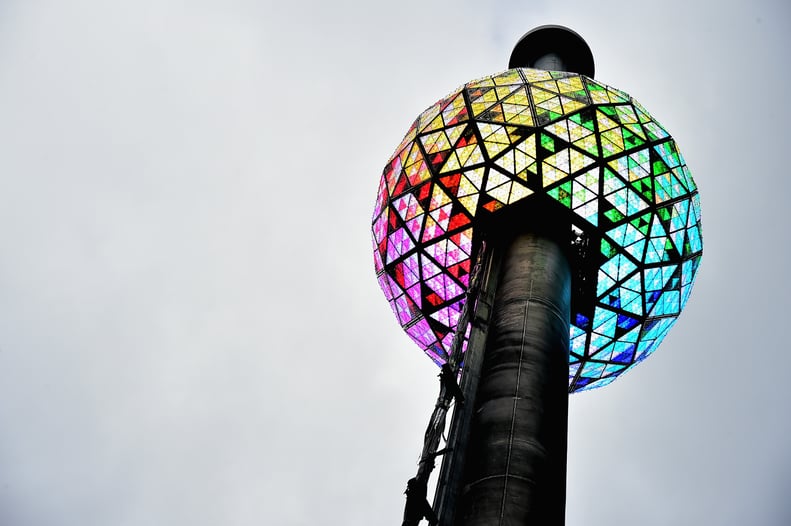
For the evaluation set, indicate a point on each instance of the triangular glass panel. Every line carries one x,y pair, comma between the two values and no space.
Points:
562,194
495,138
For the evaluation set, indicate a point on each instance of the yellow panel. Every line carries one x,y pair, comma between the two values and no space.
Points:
470,202
522,164
417,173
410,136
428,116
528,146
501,192
455,112
438,198
466,188
552,105
626,114
589,179
455,132
410,155
577,131
570,105
614,136
637,130
475,176
504,91
519,96
435,142
551,174
494,148
579,161
560,129
508,77
496,179
507,163
570,84
599,97
518,192
451,163
536,75
540,95
605,123
484,82
479,107
490,96
609,149
486,129
437,124
495,138
617,96
517,114
469,155
588,144
559,160
549,85
484,101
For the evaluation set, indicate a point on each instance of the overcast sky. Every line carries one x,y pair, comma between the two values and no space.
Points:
190,327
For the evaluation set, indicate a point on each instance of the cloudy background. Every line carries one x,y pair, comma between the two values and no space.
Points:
190,328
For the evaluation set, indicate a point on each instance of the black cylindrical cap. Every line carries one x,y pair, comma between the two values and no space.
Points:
560,43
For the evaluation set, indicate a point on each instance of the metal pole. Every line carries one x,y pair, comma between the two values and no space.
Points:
515,461
506,463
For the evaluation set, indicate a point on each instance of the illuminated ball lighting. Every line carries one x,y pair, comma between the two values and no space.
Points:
563,149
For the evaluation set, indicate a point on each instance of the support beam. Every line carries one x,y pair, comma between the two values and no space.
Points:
458,436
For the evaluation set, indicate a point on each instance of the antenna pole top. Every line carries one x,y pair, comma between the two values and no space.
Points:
554,48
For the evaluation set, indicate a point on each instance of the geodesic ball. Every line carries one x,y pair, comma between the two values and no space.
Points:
591,159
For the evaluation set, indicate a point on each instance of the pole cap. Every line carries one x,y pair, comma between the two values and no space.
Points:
543,41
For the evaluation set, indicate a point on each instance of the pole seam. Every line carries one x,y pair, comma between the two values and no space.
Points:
516,402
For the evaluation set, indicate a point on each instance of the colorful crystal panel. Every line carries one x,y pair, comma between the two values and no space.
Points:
583,153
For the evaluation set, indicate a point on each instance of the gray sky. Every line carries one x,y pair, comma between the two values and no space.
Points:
190,327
